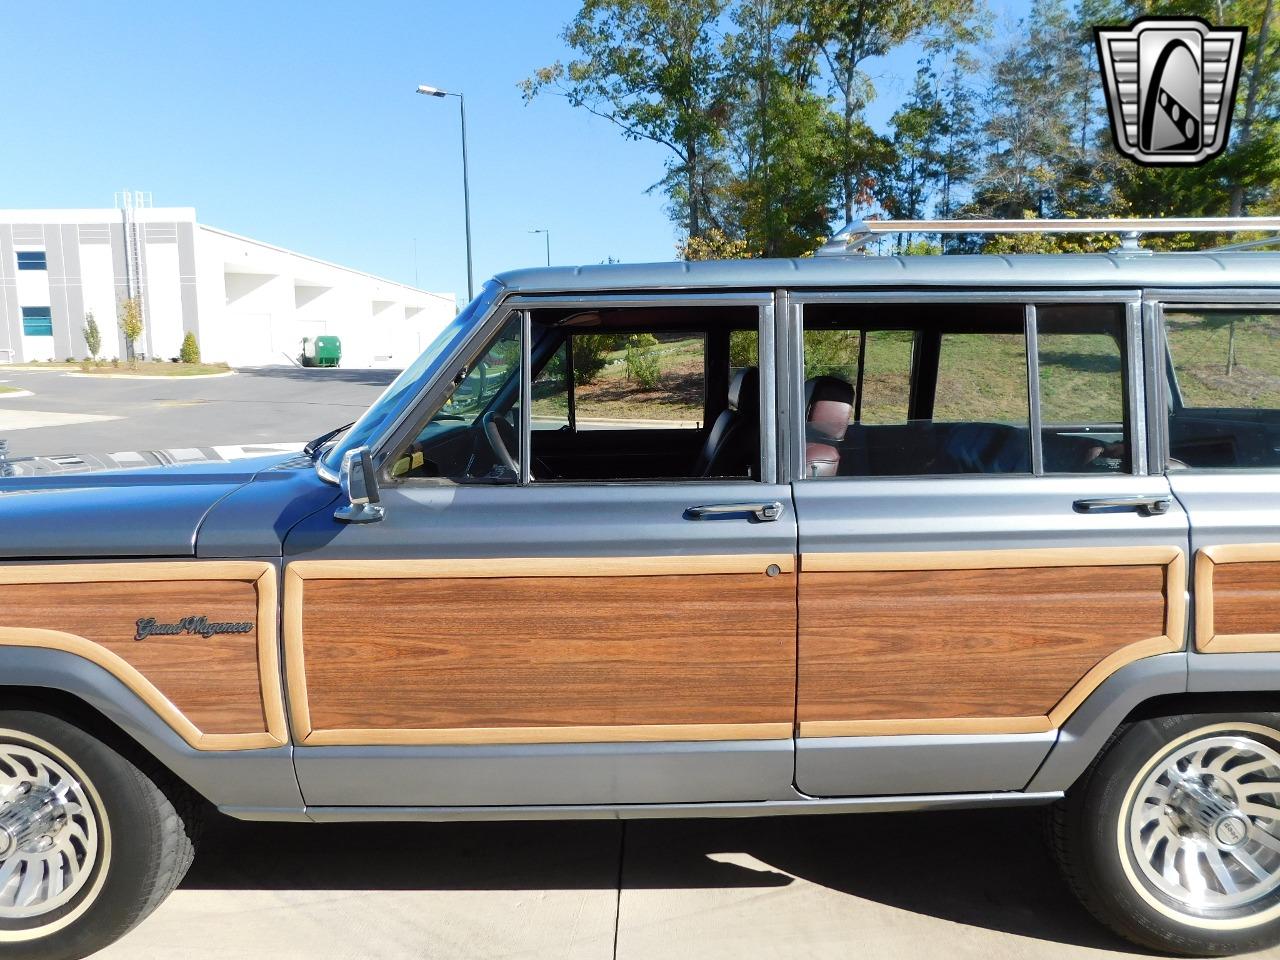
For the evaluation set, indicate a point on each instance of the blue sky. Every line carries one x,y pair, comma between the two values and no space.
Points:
297,124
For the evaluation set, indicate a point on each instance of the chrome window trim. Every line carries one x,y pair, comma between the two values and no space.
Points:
1223,298
525,425
1044,295
766,363
1129,299
1156,388
1136,360
1031,341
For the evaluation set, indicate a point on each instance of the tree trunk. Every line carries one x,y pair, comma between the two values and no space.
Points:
1251,100
691,179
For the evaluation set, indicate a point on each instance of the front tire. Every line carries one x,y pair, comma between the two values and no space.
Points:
1172,838
90,843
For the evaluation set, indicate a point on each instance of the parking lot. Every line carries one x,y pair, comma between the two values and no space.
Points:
913,886
69,414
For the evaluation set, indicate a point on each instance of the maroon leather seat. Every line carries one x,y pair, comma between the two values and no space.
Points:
828,404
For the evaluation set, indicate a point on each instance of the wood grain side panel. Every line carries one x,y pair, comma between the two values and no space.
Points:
213,682
1006,643
1246,598
545,651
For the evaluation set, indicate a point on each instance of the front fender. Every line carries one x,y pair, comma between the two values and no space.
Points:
252,784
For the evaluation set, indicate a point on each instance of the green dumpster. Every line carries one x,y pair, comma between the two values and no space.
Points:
321,351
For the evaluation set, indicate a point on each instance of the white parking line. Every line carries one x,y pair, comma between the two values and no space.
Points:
11,420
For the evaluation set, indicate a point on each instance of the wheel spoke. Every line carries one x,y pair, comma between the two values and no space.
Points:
1266,838
1220,870
1250,864
1220,761
1266,811
30,884
1191,869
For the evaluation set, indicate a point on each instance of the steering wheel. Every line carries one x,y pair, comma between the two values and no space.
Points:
502,439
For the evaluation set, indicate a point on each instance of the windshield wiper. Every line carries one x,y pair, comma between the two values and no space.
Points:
311,448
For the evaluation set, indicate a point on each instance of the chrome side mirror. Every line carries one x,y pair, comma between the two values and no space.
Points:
359,482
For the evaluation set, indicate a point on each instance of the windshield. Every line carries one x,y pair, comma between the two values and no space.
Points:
402,391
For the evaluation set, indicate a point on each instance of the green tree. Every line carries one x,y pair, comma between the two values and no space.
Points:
847,33
190,352
918,166
777,190
131,323
654,69
92,335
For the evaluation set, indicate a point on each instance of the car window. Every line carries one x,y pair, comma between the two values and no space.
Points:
1083,388
1224,388
969,412
645,393
473,435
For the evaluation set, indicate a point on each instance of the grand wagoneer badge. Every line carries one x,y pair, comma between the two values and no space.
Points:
192,626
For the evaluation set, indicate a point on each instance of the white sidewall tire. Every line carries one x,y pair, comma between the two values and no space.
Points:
102,869
1126,854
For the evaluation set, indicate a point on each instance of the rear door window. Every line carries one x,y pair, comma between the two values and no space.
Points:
1224,387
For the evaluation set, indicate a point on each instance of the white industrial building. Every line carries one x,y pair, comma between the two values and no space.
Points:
249,303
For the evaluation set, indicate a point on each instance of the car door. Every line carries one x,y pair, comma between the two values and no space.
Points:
1221,444
991,547
509,640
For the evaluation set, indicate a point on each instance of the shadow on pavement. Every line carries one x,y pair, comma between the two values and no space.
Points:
321,374
988,869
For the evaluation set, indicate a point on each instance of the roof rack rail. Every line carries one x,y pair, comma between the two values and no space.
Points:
857,233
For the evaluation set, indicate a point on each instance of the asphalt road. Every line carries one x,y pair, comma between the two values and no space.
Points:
950,885
268,405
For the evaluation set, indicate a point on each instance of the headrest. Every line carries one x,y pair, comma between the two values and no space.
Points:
828,404
744,390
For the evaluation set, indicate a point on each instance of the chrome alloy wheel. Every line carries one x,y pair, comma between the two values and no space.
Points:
49,833
1204,824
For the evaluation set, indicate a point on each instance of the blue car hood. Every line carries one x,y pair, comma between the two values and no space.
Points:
149,512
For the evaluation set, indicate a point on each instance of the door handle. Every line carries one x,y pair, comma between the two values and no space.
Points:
771,510
1148,505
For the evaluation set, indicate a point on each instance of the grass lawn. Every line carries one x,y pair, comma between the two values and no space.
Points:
4,389
143,368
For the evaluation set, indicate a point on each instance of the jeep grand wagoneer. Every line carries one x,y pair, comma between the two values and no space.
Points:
685,540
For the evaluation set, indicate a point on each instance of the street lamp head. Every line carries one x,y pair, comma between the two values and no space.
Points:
432,91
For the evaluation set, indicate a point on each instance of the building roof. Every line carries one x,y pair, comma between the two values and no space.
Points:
1109,271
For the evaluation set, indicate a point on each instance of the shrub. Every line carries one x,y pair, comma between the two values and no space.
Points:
642,360
190,352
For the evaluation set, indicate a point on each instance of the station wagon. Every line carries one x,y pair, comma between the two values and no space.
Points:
838,534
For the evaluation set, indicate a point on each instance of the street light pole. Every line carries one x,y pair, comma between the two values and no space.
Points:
547,236
466,180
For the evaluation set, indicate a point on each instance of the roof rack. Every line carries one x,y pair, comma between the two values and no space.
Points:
857,233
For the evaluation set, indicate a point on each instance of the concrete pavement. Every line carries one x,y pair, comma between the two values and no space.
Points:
896,886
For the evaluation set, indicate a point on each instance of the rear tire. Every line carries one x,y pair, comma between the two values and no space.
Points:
1172,837
90,842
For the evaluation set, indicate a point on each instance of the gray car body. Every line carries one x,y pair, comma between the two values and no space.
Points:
279,508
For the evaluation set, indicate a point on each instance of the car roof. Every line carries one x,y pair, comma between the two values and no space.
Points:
1115,270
